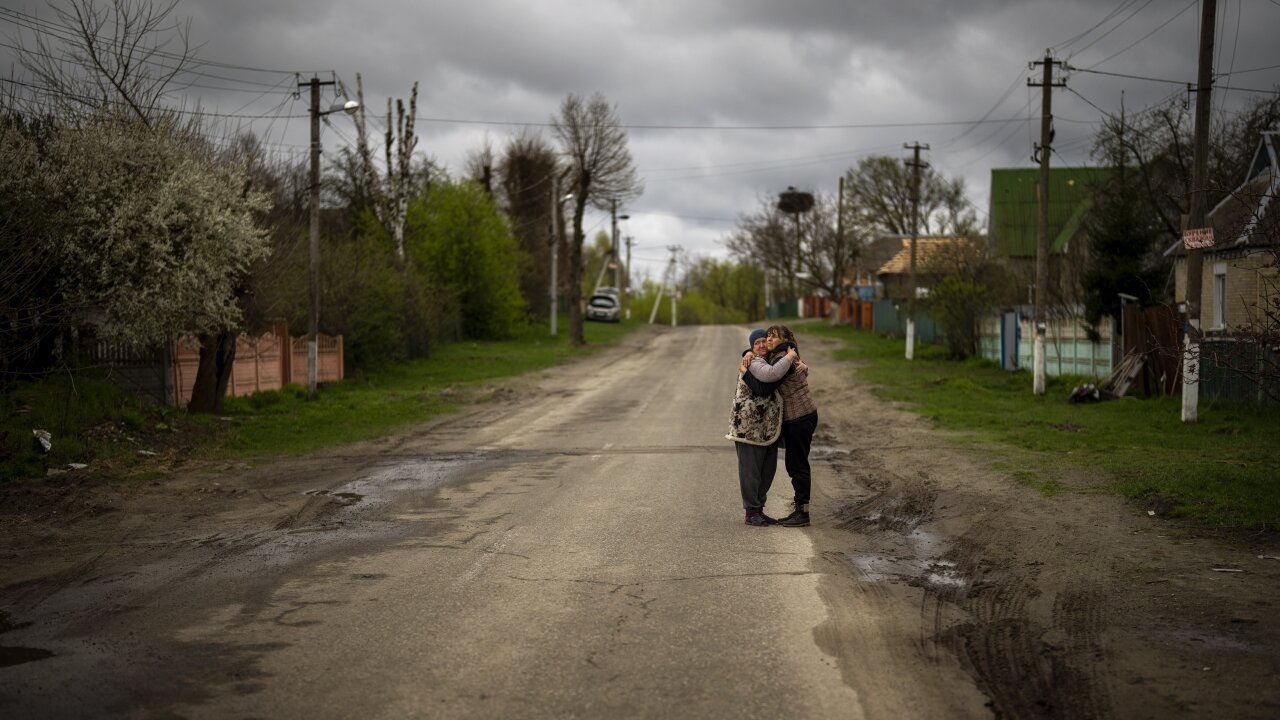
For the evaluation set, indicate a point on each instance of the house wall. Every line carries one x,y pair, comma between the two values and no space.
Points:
1252,279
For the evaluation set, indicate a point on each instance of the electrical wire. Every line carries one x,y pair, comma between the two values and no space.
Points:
89,100
633,126
1115,27
1017,80
1072,68
1235,45
776,161
1062,46
1159,27
33,22
1250,70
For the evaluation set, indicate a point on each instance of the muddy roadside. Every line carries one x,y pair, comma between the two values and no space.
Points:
1077,605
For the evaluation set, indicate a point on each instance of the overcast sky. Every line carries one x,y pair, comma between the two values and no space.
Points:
728,101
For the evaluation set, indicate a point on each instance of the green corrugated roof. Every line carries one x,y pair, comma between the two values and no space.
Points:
1015,209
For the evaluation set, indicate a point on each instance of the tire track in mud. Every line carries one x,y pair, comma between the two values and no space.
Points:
1031,656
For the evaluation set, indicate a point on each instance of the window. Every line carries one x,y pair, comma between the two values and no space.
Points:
1220,295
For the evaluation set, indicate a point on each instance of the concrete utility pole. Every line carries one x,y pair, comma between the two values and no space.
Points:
313,319
915,166
1197,219
313,274
553,239
1042,234
837,280
668,276
626,281
613,240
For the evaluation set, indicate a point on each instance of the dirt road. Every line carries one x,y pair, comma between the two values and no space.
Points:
575,549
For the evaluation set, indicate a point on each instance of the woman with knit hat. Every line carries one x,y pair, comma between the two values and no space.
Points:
756,425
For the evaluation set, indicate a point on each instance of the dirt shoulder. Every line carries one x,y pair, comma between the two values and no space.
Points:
1077,605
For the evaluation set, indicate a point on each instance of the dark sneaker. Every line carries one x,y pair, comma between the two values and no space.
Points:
797,518
759,519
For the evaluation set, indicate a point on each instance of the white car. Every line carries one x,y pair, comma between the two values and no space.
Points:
603,308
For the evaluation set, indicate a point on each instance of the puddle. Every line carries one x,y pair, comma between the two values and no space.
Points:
918,563
421,475
349,498
18,655
821,452
943,573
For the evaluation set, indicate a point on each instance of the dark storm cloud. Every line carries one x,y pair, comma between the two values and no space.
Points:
738,63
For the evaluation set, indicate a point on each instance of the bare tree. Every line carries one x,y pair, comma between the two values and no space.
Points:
804,251
599,172
879,191
118,54
830,246
770,240
391,194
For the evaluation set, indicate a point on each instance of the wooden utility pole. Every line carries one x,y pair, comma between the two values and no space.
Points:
1043,150
915,166
1196,219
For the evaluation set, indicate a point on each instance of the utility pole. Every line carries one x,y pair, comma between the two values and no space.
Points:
626,280
613,241
1196,219
1042,233
553,239
837,280
668,276
313,314
915,166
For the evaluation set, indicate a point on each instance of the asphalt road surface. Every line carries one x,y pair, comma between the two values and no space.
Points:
577,551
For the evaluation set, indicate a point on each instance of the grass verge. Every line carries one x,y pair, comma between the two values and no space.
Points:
94,422
1221,472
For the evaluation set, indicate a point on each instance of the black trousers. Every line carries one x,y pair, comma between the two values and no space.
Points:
797,435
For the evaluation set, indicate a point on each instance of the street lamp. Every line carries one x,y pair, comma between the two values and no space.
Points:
313,319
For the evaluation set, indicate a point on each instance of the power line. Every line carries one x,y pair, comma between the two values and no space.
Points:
1004,96
1250,70
1159,27
1113,29
32,22
91,100
776,163
848,126
1072,68
1235,45
72,61
1076,38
